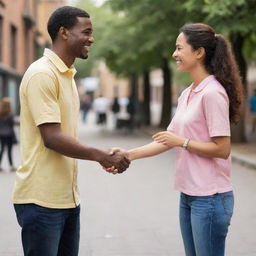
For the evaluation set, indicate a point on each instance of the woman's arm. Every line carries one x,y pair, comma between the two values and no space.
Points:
219,147
147,150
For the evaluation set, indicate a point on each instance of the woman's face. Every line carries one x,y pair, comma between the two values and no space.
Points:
185,56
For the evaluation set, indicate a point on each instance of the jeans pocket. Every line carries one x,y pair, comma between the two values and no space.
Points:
228,203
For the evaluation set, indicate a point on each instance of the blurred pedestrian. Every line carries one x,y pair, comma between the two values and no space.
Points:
7,133
115,109
115,106
252,103
123,118
101,106
46,197
200,133
131,110
85,107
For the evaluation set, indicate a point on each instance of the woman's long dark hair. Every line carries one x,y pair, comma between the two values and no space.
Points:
219,61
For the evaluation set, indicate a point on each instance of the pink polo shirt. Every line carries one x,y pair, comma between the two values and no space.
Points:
201,114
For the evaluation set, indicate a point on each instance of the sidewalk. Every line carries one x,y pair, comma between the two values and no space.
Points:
245,154
242,153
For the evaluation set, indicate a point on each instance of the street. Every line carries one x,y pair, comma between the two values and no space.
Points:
135,213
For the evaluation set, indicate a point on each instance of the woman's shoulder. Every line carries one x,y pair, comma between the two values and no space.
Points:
214,88
214,93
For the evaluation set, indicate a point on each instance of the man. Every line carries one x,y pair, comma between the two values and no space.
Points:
46,198
101,107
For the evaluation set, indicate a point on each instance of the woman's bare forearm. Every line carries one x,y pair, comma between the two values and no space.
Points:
147,150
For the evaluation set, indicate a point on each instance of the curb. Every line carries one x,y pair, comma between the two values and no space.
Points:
243,160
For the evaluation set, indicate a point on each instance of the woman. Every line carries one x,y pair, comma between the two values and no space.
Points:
7,135
200,133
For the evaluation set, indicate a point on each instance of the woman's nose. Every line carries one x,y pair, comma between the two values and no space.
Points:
174,54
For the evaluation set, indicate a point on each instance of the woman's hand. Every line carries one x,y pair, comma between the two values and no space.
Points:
218,147
112,151
168,139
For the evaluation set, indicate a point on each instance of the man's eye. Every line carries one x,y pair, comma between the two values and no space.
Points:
87,33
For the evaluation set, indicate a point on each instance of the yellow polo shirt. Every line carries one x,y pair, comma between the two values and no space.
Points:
48,94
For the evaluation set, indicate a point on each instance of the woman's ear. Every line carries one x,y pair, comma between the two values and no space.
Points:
200,53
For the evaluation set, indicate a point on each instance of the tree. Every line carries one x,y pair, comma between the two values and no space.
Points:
236,19
145,33
137,36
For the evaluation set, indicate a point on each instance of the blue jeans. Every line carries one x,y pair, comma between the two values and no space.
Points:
49,232
204,222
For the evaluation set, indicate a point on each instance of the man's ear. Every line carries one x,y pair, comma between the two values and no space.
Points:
200,53
63,33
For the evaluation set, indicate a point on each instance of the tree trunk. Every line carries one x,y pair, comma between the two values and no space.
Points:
237,41
167,99
134,88
146,102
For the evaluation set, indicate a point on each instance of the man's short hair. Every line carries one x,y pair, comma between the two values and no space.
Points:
66,17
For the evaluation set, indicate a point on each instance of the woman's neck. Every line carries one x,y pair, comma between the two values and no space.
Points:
198,75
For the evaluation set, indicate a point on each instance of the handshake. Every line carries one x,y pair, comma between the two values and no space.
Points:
116,161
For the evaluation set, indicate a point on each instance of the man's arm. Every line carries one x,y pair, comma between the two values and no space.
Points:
62,143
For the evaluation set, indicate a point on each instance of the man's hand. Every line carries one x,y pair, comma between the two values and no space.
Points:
115,162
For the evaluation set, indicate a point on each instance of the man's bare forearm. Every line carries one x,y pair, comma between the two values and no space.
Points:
69,146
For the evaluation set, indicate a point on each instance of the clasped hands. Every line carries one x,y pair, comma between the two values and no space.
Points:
120,159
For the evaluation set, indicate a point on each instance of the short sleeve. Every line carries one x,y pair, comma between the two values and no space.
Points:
42,98
216,111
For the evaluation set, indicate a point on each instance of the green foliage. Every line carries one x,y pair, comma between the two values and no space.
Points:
133,36
225,16
140,35
249,48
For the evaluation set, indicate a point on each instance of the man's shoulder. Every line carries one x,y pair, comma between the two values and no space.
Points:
40,67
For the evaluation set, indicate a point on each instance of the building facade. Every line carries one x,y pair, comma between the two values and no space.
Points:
23,35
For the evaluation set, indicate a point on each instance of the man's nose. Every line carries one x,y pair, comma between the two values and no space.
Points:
91,39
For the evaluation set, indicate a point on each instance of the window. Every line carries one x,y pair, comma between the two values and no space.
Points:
13,47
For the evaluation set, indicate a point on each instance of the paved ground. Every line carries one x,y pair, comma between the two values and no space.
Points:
136,213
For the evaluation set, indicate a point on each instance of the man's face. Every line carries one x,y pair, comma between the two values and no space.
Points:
80,38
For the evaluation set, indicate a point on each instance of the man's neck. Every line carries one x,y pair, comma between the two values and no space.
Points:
63,55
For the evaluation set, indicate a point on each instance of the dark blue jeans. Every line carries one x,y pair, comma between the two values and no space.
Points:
49,232
204,222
